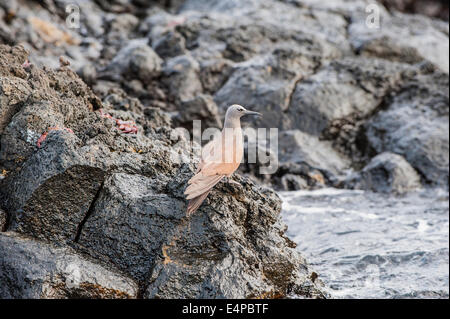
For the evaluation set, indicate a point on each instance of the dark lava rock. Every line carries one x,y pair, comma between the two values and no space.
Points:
3,220
234,240
339,93
31,269
13,91
415,125
118,198
266,84
53,98
181,77
433,8
342,88
313,160
388,173
291,182
300,147
138,224
202,108
391,42
134,61
170,45
214,73
51,194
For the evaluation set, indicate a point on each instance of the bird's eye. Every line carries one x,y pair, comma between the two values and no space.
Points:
241,110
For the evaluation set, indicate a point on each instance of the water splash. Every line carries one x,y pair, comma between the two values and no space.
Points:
367,245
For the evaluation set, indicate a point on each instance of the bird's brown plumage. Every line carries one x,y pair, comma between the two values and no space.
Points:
220,157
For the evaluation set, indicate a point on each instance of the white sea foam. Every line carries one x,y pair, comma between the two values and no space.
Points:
346,233
320,192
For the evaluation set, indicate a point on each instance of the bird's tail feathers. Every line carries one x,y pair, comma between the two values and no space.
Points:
195,203
201,184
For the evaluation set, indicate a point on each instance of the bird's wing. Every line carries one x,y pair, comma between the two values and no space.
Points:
208,151
224,157
218,160
213,169
200,184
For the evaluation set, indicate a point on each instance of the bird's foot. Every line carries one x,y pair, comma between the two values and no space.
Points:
232,182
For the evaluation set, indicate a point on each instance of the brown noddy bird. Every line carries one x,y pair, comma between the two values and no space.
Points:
220,158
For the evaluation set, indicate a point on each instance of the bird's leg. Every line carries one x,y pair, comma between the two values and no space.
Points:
230,181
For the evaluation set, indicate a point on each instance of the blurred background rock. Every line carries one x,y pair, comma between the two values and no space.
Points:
432,8
356,106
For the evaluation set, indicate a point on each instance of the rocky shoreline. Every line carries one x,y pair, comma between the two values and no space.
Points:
91,185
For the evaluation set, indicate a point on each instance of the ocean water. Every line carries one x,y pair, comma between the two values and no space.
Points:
368,245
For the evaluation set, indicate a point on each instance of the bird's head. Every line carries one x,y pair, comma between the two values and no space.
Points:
236,111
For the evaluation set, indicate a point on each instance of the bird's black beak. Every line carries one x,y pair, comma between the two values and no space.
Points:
252,113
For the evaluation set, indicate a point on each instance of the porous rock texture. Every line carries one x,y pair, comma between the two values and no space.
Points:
31,269
110,206
339,92
387,173
325,71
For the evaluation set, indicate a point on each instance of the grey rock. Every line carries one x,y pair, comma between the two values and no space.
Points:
170,45
117,99
181,77
312,160
3,219
116,6
421,40
54,102
315,178
88,73
389,173
214,73
91,19
20,137
345,87
118,198
31,269
313,68
415,125
52,175
50,196
299,147
138,223
134,61
295,160
154,25
136,205
171,5
13,92
290,182
217,5
262,155
40,29
202,108
123,23
266,83
436,9
103,87
345,8
10,6
240,31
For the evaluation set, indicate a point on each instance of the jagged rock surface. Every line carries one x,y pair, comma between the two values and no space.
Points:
31,269
339,93
387,173
118,198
